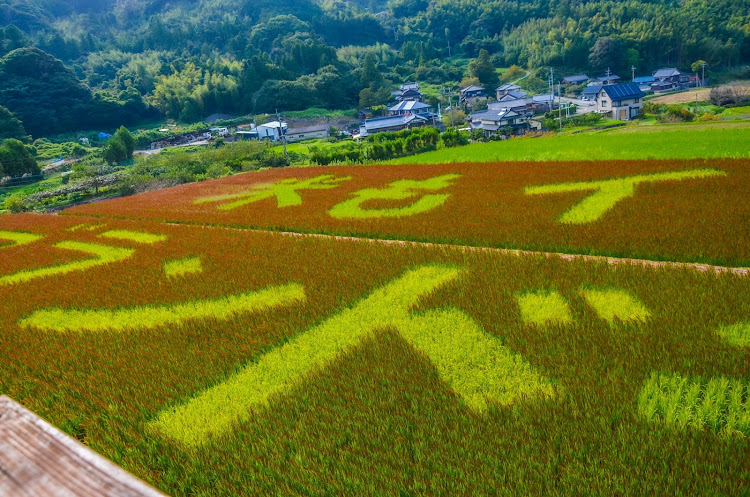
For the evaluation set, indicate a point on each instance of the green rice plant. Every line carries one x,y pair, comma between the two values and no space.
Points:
613,304
86,227
398,190
737,334
104,254
134,236
543,307
607,193
153,316
720,404
18,237
181,267
285,192
474,364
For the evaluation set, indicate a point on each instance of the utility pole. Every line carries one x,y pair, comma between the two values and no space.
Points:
632,69
559,105
609,73
703,66
551,84
282,135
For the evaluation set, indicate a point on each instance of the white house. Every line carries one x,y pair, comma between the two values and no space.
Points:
622,102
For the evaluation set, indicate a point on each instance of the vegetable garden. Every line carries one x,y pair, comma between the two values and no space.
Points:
210,359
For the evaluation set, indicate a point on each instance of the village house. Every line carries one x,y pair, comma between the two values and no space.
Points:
644,82
493,121
408,92
394,123
410,107
590,92
622,101
472,95
537,104
577,79
607,79
669,79
308,132
509,89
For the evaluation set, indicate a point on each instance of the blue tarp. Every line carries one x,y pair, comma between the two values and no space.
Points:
104,136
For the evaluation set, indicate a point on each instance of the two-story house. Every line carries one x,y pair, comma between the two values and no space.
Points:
622,102
409,92
471,95
493,121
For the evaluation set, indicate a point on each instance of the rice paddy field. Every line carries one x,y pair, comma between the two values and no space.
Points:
680,210
223,338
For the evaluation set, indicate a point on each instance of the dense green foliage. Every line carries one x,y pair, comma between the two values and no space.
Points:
49,98
191,59
10,126
16,159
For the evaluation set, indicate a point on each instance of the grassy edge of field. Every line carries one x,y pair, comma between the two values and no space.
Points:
684,141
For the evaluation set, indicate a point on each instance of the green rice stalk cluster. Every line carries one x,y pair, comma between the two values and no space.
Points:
134,236
181,267
720,404
613,305
544,307
737,334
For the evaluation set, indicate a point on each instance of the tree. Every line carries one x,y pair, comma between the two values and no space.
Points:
513,73
115,150
127,140
371,76
607,53
455,117
16,160
10,126
483,69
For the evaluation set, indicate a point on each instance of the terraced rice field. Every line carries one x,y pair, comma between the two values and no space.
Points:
212,359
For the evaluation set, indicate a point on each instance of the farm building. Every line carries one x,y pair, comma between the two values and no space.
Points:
308,132
623,101
271,131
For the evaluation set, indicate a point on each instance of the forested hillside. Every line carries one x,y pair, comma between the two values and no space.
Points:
190,58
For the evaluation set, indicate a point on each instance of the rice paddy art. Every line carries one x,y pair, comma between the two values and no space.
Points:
615,305
285,192
608,193
354,208
474,364
152,316
541,308
134,236
18,238
102,254
181,267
